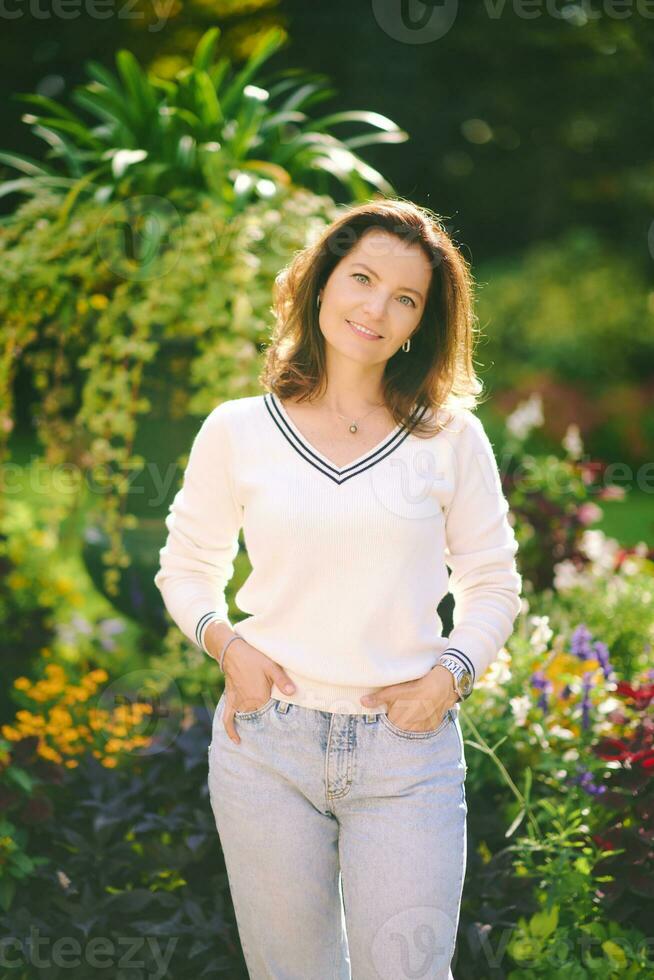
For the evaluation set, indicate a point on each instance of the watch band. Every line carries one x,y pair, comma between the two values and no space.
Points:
462,677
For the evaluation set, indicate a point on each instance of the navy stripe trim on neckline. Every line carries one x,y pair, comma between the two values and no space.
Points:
304,449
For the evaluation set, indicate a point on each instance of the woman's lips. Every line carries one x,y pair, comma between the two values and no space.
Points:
361,333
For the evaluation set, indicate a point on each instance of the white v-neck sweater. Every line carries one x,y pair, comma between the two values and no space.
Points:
348,563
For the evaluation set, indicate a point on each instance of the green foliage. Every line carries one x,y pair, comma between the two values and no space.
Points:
130,859
574,307
574,319
211,130
566,936
129,353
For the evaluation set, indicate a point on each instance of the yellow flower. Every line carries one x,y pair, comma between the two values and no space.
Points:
109,763
71,763
49,753
22,684
59,716
98,301
11,733
81,306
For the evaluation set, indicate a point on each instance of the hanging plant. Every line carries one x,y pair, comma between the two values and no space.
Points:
210,130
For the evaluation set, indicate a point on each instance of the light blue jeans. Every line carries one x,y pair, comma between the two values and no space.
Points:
344,840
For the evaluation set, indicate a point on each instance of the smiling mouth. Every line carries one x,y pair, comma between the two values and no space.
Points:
364,331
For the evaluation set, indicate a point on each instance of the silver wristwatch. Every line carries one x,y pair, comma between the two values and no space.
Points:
463,679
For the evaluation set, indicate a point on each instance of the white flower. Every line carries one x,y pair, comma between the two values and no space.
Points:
607,705
572,442
526,416
64,880
542,633
520,707
566,575
560,732
600,549
498,672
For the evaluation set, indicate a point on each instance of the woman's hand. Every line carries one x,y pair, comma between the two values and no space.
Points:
420,705
249,676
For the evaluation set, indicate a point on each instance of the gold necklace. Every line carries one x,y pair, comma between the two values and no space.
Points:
354,424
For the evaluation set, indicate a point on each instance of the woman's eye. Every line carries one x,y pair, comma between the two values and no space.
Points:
364,276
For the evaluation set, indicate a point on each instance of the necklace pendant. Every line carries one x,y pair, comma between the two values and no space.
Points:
354,427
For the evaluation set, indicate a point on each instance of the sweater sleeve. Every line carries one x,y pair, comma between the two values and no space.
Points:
197,560
480,551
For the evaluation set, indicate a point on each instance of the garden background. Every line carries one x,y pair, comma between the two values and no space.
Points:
162,163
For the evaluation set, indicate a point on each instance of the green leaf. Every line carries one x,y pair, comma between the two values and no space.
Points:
102,104
21,778
543,924
136,82
374,119
32,184
23,862
25,164
204,51
104,77
77,129
7,892
269,43
208,106
43,102
516,823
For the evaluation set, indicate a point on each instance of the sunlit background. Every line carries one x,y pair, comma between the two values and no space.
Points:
159,163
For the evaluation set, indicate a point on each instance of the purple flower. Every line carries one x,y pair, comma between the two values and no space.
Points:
580,643
585,780
585,700
602,654
541,683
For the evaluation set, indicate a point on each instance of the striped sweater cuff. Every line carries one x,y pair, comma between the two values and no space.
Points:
463,659
201,628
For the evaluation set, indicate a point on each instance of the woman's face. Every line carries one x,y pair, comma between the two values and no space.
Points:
381,284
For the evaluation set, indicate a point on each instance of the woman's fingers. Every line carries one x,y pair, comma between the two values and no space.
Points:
228,722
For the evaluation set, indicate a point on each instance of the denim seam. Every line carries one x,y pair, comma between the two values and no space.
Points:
417,736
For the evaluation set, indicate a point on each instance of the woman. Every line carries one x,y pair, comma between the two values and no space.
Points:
337,767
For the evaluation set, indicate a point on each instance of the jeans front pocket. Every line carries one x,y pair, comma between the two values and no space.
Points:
245,715
432,733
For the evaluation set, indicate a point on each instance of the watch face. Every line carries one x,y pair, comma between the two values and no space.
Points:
465,683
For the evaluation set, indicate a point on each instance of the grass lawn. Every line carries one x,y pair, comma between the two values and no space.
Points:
630,520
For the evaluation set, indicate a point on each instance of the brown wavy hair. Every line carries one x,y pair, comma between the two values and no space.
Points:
437,374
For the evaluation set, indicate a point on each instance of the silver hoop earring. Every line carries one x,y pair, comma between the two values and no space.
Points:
318,301
406,346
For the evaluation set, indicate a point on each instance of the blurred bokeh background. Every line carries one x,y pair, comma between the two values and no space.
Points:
160,161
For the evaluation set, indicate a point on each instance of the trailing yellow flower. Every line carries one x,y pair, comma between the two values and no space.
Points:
70,726
11,733
47,752
99,302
